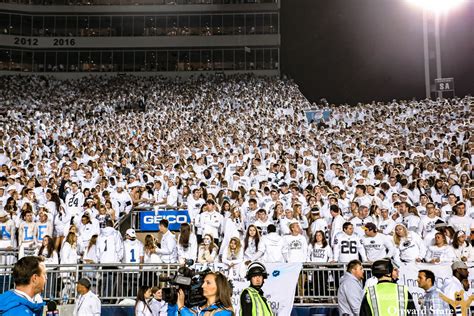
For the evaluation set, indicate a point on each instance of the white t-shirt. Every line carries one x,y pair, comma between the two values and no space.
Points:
295,248
378,247
317,253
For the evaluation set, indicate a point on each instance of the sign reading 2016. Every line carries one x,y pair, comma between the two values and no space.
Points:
64,42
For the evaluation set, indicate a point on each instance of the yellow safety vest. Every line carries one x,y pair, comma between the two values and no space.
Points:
387,299
259,306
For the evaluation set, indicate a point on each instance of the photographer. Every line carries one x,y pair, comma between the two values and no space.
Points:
217,291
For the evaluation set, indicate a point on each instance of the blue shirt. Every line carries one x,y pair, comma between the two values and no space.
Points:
13,304
200,312
433,304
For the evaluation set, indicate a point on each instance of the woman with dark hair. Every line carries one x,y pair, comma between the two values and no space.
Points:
252,247
225,208
183,196
438,192
47,251
187,244
319,249
217,291
462,248
278,214
11,207
142,302
61,223
50,256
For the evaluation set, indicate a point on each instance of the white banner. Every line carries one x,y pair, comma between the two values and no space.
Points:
442,272
279,288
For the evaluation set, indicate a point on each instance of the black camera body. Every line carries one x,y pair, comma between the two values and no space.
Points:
187,280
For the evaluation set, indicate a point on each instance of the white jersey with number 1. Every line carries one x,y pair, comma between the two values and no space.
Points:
132,251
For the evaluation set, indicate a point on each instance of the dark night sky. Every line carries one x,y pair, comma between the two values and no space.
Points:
364,50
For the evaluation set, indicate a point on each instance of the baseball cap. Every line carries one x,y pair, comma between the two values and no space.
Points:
370,226
315,210
458,265
85,282
131,232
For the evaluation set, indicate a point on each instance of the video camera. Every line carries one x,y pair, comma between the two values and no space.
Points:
187,280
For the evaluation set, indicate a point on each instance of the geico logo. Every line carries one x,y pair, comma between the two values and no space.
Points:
172,219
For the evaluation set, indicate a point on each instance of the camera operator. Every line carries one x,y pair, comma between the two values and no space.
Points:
217,291
252,301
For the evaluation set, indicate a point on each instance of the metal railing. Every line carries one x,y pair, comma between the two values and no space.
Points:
113,283
318,283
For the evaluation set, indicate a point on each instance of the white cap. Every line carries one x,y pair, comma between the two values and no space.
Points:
131,232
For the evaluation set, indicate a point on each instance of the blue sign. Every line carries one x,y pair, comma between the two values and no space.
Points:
150,220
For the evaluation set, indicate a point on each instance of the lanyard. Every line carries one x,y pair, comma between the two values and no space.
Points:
80,303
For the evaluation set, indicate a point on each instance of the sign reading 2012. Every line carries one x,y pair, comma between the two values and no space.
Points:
26,41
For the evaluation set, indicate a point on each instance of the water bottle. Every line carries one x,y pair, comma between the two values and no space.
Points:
65,298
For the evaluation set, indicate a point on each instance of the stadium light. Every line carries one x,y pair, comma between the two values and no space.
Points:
434,9
438,6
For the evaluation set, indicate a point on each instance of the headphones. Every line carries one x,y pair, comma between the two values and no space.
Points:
256,268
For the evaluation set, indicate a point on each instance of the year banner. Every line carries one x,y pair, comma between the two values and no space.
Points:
279,288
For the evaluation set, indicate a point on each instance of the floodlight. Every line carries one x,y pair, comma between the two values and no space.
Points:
438,6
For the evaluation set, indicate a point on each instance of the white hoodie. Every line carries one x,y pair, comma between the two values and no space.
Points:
109,246
272,247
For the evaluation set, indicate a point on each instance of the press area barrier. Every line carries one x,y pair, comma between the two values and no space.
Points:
317,284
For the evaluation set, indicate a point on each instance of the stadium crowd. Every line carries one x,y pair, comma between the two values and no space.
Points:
260,183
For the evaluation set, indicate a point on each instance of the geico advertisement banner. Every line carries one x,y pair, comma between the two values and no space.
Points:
279,288
442,272
149,220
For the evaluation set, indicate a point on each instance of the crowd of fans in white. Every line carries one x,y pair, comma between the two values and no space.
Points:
259,181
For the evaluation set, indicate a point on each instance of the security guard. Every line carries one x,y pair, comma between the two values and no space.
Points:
386,298
252,301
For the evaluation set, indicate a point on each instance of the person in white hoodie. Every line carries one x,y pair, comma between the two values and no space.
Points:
272,245
296,246
409,245
110,250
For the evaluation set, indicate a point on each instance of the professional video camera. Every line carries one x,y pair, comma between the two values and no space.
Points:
187,280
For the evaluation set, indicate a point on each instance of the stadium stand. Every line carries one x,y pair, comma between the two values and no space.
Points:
238,157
